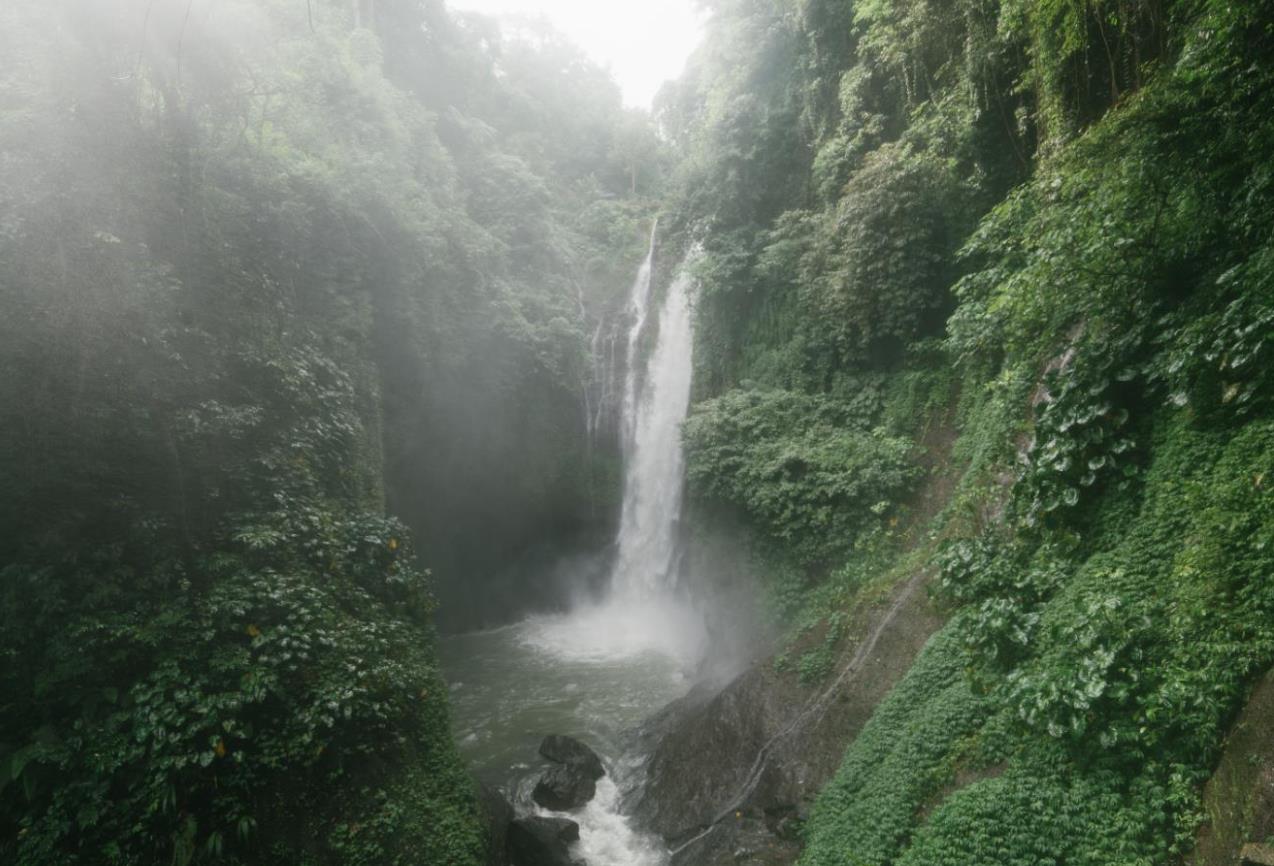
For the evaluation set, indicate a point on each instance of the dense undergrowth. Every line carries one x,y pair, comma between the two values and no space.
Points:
1016,256
986,292
269,273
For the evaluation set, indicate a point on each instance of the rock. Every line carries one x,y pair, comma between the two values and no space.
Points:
743,839
565,787
1255,854
537,841
727,766
570,751
1239,798
573,782
497,815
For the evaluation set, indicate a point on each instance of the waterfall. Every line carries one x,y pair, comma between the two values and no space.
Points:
651,408
643,624
642,610
602,394
598,388
654,408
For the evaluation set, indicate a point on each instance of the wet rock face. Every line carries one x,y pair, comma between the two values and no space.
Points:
745,839
732,771
1256,854
573,782
1238,800
538,841
564,788
573,753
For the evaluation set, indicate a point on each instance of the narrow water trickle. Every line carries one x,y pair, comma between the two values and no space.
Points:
601,668
638,304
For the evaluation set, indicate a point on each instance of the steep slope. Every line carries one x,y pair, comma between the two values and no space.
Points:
733,771
256,281
1050,224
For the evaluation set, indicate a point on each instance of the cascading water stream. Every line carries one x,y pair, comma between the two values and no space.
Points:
638,304
654,462
604,666
642,611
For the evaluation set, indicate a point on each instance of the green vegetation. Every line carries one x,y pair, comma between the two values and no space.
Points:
295,309
797,466
1003,275
268,272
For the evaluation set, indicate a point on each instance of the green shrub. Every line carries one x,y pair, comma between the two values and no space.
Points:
799,466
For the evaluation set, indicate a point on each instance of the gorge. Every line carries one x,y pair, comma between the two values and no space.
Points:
414,454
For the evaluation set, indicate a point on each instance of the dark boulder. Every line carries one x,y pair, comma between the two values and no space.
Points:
564,787
537,841
573,753
497,815
731,772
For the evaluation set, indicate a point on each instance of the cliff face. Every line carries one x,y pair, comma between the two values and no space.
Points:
1238,801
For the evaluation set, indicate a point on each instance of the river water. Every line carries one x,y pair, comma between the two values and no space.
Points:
512,686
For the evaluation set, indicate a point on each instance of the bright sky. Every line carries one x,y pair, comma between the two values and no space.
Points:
643,42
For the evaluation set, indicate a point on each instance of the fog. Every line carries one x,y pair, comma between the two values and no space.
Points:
643,44
495,433
318,324
441,214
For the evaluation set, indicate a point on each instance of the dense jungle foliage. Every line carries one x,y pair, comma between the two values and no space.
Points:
296,301
987,289
269,273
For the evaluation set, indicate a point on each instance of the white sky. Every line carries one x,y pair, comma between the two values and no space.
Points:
643,42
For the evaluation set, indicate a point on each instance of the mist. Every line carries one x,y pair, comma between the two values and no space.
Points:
443,214
685,433
319,319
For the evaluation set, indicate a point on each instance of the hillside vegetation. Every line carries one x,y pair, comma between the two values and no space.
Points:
296,308
1022,254
269,273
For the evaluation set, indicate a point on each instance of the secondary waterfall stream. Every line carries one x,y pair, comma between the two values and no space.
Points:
598,670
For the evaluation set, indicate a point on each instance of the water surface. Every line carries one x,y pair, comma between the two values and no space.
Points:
592,675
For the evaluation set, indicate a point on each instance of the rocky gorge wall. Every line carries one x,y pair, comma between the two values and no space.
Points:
732,772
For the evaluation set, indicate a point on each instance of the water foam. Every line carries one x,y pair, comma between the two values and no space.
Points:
619,628
606,837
